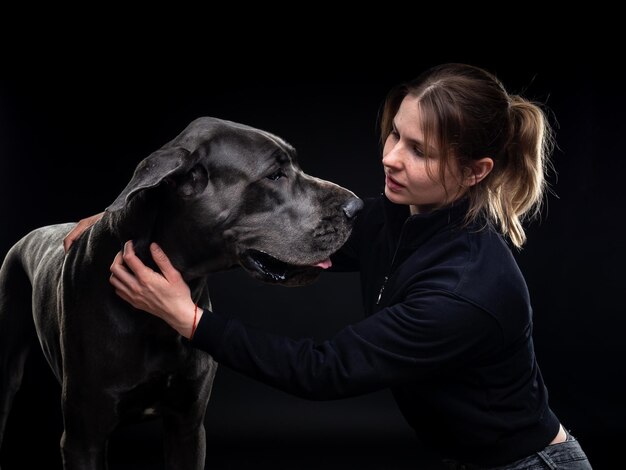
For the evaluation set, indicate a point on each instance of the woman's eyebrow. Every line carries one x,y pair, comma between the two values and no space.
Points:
411,140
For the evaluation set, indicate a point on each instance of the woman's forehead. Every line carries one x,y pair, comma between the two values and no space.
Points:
408,118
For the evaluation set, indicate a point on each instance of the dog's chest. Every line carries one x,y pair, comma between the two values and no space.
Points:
147,399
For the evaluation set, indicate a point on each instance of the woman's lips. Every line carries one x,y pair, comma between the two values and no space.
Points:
392,184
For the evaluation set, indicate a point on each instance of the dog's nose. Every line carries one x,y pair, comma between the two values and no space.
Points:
352,207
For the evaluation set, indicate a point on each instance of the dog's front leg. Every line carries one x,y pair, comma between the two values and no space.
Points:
86,432
184,442
183,416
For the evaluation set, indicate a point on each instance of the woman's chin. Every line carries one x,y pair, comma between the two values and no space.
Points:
394,197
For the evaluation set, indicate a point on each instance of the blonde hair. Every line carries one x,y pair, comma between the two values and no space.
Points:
467,115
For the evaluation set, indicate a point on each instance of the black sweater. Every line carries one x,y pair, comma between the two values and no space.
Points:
450,335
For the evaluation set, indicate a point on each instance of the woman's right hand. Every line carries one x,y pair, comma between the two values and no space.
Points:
77,231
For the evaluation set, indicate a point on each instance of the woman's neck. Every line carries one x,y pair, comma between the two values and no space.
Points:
423,209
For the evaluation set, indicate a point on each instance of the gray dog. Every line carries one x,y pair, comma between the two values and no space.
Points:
220,194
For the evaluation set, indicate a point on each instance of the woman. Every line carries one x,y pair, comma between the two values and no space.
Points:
449,320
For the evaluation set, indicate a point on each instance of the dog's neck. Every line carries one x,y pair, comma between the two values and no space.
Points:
150,218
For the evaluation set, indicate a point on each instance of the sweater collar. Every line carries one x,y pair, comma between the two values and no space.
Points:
418,228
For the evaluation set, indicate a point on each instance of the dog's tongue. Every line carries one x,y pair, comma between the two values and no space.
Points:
327,263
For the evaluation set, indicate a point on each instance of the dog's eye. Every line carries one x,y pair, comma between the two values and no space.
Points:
276,175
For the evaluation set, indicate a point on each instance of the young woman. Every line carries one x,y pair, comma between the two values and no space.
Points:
449,320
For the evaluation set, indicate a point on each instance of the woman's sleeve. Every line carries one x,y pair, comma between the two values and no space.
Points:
405,342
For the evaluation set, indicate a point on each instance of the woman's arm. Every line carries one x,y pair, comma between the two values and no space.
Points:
426,333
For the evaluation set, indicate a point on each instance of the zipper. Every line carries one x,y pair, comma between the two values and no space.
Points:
393,260
382,289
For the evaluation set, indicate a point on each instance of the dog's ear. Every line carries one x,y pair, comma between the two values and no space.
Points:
150,172
191,182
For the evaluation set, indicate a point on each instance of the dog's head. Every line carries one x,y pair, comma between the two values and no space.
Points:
223,193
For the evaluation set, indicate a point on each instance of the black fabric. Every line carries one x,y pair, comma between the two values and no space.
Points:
450,335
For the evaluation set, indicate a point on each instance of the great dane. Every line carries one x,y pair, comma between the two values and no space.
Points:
220,194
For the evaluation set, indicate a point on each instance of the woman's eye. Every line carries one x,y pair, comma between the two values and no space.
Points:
276,175
418,151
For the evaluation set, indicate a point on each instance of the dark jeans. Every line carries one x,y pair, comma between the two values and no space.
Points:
567,455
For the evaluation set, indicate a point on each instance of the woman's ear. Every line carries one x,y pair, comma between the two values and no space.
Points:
477,171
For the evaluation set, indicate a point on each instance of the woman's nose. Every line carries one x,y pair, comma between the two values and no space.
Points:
392,158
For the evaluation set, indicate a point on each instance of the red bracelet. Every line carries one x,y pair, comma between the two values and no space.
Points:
195,318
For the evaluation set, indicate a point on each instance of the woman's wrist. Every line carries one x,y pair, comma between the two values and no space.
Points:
185,319
197,313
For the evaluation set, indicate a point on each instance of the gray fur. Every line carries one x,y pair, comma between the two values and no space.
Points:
211,200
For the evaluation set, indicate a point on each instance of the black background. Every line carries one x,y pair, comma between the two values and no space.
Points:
71,133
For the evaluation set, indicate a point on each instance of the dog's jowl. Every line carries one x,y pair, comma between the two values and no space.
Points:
220,194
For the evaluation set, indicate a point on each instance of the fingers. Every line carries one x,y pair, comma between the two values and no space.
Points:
121,288
160,258
78,230
128,286
68,240
164,263
121,277
130,275
131,271
133,262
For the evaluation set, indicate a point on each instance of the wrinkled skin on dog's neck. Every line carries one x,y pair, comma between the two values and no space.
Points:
154,216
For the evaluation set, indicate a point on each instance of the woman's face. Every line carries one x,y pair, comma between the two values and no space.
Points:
407,180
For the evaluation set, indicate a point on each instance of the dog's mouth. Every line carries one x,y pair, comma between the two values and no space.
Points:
270,269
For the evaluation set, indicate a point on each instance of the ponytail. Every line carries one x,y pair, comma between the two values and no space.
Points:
515,190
